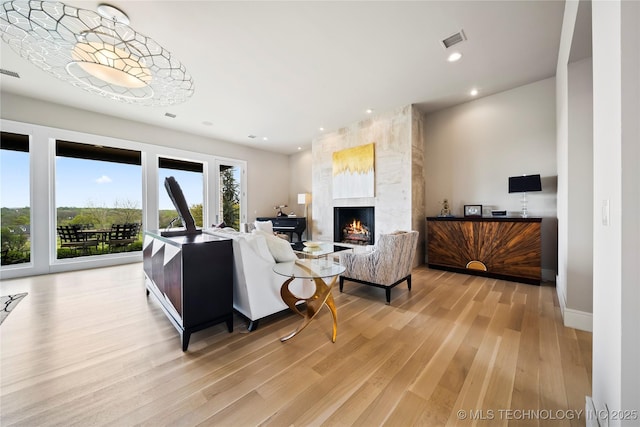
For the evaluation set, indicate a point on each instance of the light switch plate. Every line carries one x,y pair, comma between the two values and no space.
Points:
605,212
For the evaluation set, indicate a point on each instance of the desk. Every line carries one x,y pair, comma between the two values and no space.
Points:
317,270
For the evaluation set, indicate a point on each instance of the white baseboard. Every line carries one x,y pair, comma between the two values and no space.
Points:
562,298
576,319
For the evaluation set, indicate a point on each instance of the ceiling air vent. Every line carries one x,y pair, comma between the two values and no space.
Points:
453,39
173,116
9,73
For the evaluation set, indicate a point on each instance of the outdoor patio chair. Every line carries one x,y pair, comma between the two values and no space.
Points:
122,235
70,238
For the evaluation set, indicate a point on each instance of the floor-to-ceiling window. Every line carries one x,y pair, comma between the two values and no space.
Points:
15,233
98,194
189,175
89,184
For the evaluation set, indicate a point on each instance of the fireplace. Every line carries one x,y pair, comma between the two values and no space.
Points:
354,224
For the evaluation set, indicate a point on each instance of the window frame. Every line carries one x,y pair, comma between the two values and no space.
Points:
54,260
205,184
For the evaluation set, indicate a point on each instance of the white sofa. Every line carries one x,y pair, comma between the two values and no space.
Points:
256,287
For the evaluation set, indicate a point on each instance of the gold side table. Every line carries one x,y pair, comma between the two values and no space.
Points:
318,270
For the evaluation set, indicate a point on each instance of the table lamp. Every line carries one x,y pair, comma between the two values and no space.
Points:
303,200
523,184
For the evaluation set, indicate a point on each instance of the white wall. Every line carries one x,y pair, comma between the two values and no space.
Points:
630,59
579,292
472,149
616,255
268,172
562,145
574,112
300,165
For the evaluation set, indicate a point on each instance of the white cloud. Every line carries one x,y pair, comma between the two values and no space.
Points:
104,179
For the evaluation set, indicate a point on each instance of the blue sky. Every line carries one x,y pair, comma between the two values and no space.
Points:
14,179
190,184
82,183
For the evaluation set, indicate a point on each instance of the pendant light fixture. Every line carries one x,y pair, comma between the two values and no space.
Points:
98,52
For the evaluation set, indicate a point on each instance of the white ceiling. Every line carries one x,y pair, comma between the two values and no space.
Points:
282,70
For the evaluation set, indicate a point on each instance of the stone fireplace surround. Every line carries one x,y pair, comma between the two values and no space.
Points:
399,174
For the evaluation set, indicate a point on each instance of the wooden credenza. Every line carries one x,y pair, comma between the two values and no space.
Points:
192,278
506,248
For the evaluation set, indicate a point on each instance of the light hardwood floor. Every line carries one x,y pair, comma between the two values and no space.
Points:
88,348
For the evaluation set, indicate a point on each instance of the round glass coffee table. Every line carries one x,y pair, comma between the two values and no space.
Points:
318,270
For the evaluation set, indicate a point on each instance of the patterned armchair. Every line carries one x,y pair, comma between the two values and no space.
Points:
386,266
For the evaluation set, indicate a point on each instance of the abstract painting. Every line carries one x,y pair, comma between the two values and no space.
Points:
353,172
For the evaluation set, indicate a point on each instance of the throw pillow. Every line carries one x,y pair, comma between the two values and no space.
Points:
259,245
264,226
280,249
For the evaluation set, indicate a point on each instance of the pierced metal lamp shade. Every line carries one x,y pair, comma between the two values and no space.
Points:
101,55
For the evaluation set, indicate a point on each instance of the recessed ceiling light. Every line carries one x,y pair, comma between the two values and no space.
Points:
455,56
299,148
265,138
473,92
369,111
207,123
320,129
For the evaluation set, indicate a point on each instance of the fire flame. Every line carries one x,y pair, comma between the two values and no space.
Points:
356,232
356,227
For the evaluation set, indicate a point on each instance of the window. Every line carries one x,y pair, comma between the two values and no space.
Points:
229,209
190,177
98,195
15,233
